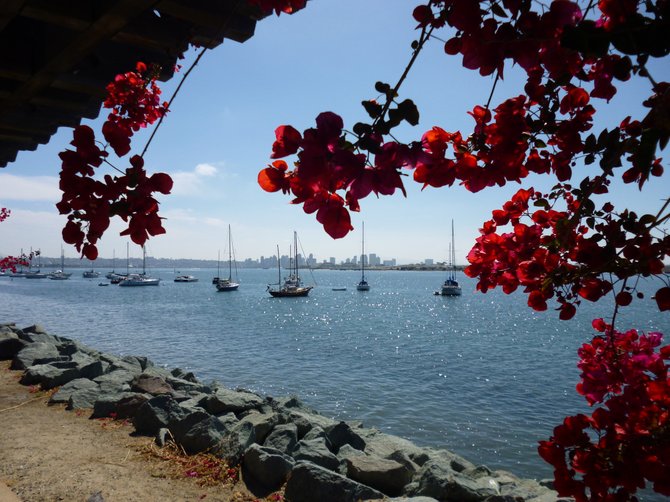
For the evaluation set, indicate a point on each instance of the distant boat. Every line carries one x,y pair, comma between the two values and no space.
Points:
451,286
292,286
112,274
185,278
339,289
60,275
90,274
115,277
363,284
34,274
140,279
103,284
228,284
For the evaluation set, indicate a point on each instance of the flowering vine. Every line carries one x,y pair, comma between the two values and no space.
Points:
625,442
134,100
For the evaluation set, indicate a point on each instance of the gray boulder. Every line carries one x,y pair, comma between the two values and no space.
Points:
66,391
283,437
10,345
317,452
439,481
116,380
127,406
387,476
267,466
305,421
309,482
184,375
226,400
341,434
158,412
528,489
149,384
35,328
51,375
186,386
107,405
262,424
198,431
34,353
236,441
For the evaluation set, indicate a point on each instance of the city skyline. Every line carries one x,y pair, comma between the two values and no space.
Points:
263,261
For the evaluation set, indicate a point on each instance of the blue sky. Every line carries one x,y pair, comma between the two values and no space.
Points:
221,128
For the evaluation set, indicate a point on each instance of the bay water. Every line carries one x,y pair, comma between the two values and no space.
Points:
481,374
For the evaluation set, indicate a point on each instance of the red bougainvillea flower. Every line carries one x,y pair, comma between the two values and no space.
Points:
88,203
4,213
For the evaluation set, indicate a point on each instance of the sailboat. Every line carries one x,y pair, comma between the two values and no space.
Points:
228,284
90,274
35,274
140,279
60,275
292,284
113,274
363,285
451,286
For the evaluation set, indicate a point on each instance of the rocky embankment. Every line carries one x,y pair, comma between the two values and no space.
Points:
278,441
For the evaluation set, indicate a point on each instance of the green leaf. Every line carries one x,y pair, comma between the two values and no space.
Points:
497,10
409,111
361,128
384,88
648,219
373,108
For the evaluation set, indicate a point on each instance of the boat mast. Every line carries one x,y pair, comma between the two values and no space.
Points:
452,258
363,255
127,259
230,256
295,251
144,261
278,267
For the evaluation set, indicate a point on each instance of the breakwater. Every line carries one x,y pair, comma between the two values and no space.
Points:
278,441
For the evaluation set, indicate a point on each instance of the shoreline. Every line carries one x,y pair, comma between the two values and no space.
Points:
278,442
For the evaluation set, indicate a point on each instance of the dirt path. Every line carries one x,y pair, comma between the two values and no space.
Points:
50,454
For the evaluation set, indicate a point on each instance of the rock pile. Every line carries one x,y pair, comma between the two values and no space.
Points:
277,441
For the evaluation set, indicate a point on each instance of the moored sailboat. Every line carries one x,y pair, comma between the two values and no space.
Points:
363,284
140,279
228,284
60,275
35,274
451,286
292,286
90,274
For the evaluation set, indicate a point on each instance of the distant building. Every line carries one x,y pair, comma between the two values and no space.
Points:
389,263
374,260
428,262
332,260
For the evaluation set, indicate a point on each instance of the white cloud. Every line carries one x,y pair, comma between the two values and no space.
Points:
29,188
205,170
191,182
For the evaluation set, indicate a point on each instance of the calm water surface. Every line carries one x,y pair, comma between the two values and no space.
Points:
481,375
